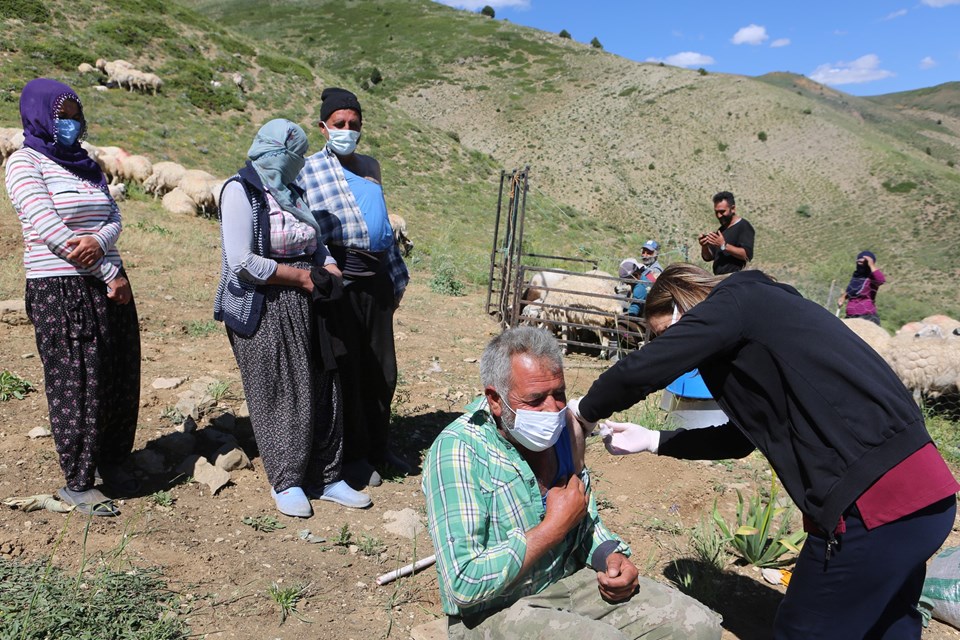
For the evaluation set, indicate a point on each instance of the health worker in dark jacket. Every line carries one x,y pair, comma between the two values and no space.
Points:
839,428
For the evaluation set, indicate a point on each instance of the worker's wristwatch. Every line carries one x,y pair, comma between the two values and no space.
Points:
723,247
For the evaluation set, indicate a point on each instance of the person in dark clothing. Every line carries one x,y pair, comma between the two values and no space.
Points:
730,247
861,293
838,427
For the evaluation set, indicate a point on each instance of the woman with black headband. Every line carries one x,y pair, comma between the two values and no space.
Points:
77,296
344,192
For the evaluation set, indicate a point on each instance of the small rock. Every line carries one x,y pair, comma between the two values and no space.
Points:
231,458
189,425
38,432
167,383
470,360
361,585
435,367
204,473
27,356
13,312
243,411
404,523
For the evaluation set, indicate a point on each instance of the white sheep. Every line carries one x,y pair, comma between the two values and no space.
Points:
118,191
134,168
399,227
928,366
109,160
873,334
166,177
176,201
238,80
86,67
587,300
202,188
11,139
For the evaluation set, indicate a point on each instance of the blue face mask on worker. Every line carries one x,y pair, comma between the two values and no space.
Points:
536,430
342,142
68,131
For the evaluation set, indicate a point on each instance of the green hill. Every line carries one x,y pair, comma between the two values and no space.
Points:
618,150
941,99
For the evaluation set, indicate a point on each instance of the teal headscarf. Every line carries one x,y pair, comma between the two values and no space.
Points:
277,155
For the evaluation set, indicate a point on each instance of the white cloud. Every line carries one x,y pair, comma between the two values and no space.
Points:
686,59
863,69
928,63
939,3
780,42
895,14
473,5
752,34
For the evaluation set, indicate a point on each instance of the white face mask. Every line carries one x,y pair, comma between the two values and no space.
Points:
676,315
342,142
536,430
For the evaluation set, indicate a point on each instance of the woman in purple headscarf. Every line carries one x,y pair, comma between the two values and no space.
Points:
77,295
861,293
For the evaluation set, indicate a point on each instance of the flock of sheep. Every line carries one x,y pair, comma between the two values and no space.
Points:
124,74
925,355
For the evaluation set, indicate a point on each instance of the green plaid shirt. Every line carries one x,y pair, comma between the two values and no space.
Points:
482,498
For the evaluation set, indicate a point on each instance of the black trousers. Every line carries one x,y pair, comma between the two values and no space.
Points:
870,586
368,371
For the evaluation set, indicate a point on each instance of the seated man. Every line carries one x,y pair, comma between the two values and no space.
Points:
521,551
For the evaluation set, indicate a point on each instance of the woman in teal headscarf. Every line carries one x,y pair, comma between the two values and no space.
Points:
270,245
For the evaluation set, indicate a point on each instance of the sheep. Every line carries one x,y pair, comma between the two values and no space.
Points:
118,191
946,323
109,160
165,178
238,80
86,67
176,201
202,188
584,300
928,366
873,334
399,227
11,139
134,168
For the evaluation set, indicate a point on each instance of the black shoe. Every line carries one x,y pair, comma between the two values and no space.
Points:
360,474
392,462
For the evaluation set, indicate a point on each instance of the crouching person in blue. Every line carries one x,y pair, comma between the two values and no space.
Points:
521,551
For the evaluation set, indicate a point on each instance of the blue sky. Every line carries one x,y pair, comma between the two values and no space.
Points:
862,48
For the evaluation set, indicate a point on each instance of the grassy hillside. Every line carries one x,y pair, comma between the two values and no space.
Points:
619,150
941,99
641,147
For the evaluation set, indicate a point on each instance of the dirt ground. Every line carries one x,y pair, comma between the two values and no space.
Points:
224,568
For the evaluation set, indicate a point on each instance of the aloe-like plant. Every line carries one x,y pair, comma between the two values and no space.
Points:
761,535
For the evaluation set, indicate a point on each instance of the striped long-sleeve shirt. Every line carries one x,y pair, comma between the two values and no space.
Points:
54,205
482,497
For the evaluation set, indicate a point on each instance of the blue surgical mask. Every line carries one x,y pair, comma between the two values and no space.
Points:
537,430
342,142
68,131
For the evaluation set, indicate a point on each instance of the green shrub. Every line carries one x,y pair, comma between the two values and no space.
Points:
60,54
27,10
702,71
804,211
488,11
285,66
762,136
132,32
445,280
950,163
899,187
565,34
595,43
756,535
722,146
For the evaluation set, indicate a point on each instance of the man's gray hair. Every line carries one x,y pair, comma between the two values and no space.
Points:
495,363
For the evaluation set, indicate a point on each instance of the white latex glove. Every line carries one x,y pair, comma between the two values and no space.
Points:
622,438
573,406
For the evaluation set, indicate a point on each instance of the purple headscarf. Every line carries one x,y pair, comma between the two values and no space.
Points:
40,101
